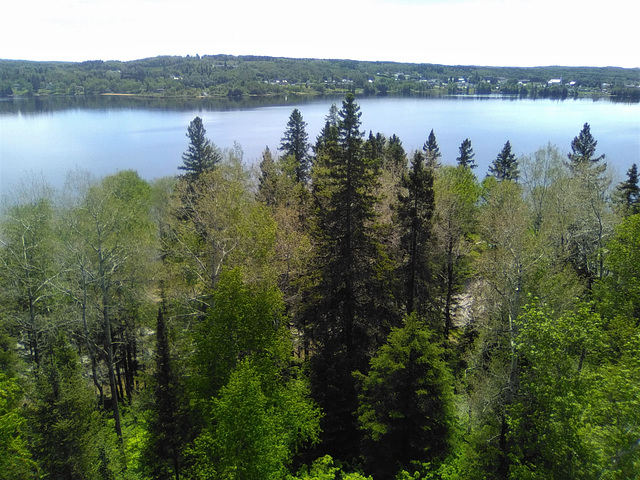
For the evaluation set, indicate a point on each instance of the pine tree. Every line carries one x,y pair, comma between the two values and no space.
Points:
583,149
347,313
505,166
414,213
65,425
166,425
432,151
201,155
295,143
406,402
466,155
268,180
628,192
394,155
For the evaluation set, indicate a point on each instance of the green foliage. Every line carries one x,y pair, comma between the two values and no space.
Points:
505,166
325,468
350,299
201,155
406,404
167,427
628,192
432,151
65,427
295,143
221,75
27,267
15,461
415,212
216,223
548,391
260,420
583,148
466,158
573,417
456,194
619,292
256,411
244,320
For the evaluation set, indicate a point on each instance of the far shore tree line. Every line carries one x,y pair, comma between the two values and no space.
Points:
344,310
237,76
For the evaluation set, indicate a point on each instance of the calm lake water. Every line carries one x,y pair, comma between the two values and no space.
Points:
107,134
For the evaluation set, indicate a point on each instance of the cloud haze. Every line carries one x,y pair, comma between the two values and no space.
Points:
481,32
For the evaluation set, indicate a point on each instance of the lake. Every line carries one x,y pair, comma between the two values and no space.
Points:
107,134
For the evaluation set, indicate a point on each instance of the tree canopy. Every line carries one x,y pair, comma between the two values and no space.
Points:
390,316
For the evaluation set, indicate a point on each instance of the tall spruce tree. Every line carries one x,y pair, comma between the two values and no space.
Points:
62,416
268,181
406,402
432,151
505,166
347,313
628,192
414,214
394,156
201,155
166,425
295,143
466,158
583,149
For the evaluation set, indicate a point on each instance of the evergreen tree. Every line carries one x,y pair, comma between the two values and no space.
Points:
15,460
628,192
583,149
332,117
295,143
466,158
415,212
505,166
406,402
166,425
432,151
201,155
268,180
591,223
65,425
347,313
375,145
394,155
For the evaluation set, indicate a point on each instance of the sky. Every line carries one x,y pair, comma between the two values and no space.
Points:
450,32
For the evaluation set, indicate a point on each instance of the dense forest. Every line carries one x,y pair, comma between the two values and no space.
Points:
235,76
346,310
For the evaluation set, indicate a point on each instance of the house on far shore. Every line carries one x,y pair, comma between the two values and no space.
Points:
555,81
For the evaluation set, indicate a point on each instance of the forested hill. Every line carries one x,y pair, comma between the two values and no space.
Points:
252,75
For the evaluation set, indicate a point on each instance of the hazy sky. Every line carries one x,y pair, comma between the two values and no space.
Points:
480,32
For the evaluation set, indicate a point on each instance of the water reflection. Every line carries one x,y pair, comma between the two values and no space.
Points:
50,104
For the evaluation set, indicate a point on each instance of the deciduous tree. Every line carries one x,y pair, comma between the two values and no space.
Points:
27,265
113,237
